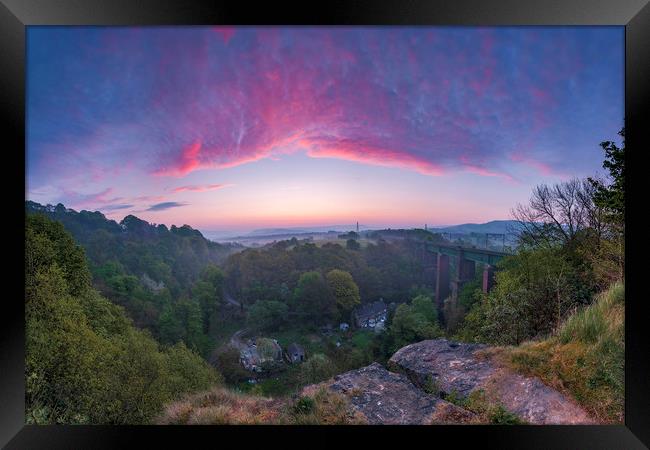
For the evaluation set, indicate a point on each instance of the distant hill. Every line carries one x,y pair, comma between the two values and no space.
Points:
303,230
494,226
174,256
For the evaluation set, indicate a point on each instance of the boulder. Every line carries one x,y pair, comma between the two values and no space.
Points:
533,401
452,367
384,397
441,364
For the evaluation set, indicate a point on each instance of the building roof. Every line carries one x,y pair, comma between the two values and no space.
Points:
371,309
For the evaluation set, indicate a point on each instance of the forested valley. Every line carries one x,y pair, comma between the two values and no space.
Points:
125,318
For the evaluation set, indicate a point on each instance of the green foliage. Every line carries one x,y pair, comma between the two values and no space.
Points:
85,363
595,322
345,290
585,357
226,360
612,197
486,411
329,408
533,293
414,322
47,243
501,416
455,312
431,386
314,300
352,244
470,293
267,315
317,368
386,270
304,405
145,268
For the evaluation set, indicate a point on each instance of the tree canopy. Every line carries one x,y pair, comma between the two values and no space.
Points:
85,362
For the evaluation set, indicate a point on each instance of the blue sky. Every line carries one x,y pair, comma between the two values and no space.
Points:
251,127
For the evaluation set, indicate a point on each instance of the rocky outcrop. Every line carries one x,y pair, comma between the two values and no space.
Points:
451,367
420,376
384,397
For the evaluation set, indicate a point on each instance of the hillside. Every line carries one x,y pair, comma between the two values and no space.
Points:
106,240
85,361
165,278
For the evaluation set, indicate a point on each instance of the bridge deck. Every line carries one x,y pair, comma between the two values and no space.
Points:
490,257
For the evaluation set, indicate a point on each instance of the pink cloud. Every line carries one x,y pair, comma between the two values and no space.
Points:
351,151
209,187
435,101
187,162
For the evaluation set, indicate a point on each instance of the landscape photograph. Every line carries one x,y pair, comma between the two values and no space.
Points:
325,225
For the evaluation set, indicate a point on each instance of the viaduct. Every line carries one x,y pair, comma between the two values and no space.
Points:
466,259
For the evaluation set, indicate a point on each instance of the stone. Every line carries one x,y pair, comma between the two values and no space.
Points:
454,367
384,397
450,366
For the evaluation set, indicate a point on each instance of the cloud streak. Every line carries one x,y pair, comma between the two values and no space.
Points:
165,205
116,207
432,100
201,188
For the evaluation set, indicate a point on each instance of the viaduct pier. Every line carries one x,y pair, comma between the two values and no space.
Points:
465,268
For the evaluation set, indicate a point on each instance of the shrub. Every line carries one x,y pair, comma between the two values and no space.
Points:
304,405
226,360
534,292
500,416
317,368
414,322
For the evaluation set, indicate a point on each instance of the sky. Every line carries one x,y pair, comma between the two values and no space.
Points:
241,128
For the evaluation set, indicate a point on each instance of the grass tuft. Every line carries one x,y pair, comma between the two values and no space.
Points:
585,357
221,406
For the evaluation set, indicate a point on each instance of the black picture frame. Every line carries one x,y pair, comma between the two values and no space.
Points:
15,15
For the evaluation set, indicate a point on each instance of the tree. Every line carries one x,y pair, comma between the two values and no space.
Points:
226,360
267,315
414,322
84,361
345,290
47,242
559,214
189,313
534,291
423,305
610,254
352,244
612,197
206,295
169,325
313,298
